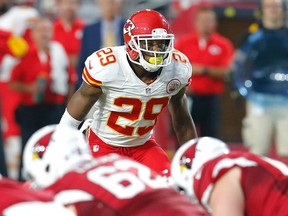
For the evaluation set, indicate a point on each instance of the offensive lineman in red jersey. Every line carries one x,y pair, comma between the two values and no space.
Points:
129,86
109,185
231,183
17,200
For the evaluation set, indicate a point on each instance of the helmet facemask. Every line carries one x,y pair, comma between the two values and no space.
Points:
156,47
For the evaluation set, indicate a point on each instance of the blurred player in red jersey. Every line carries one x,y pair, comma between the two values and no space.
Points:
230,183
130,85
17,200
108,185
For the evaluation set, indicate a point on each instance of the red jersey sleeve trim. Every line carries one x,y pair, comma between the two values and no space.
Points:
87,77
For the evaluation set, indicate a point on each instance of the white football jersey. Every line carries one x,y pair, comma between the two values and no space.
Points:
127,110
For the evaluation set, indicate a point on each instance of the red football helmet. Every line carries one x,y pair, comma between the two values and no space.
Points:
143,31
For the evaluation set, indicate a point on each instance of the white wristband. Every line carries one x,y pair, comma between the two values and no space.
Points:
68,120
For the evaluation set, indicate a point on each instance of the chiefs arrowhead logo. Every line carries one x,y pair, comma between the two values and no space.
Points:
128,27
173,85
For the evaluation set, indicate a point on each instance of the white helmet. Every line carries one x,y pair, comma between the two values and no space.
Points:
190,157
52,151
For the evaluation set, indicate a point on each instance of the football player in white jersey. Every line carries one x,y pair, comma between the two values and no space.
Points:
130,85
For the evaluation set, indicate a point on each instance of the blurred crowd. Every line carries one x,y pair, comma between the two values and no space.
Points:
42,59
44,45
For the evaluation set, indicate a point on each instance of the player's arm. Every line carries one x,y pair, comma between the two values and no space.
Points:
181,119
80,104
227,197
16,80
214,72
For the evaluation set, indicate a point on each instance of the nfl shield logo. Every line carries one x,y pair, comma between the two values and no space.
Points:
148,90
